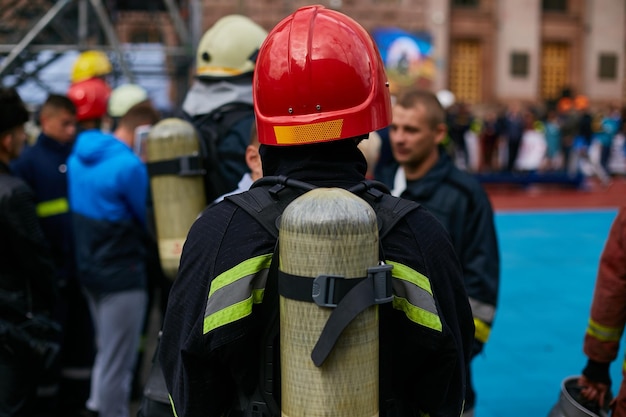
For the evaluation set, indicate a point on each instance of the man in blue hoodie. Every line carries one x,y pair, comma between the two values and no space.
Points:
108,189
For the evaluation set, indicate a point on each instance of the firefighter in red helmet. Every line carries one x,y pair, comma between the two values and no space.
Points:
319,89
90,98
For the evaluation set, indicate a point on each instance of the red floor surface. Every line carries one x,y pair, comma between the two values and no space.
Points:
548,197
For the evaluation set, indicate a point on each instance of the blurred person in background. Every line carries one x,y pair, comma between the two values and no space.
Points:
219,102
108,195
427,175
44,168
607,320
28,289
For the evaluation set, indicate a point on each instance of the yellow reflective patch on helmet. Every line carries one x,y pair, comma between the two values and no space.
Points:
310,133
215,71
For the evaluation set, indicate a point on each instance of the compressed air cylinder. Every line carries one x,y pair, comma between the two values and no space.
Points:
328,231
178,199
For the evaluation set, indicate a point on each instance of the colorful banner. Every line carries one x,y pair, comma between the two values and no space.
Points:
407,57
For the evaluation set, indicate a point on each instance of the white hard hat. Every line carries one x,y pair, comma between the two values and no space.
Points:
229,47
125,96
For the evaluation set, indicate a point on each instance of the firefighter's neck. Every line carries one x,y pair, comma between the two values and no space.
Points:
124,135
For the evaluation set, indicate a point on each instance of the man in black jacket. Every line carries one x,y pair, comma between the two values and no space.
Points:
313,101
427,175
43,167
27,282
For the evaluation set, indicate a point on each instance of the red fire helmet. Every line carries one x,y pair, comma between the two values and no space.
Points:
90,98
319,77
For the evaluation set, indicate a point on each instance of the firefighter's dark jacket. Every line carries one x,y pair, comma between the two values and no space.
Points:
25,259
460,203
206,365
44,168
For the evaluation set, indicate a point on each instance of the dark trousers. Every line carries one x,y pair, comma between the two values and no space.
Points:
19,375
470,394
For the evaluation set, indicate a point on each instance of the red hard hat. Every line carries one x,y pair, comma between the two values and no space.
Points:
90,98
319,77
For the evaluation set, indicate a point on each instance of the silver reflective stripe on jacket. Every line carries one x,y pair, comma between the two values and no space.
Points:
483,317
413,295
235,291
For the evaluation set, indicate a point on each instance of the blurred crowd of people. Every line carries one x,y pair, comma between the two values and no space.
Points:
88,192
568,137
91,195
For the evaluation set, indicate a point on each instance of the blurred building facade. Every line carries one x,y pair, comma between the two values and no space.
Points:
490,51
484,51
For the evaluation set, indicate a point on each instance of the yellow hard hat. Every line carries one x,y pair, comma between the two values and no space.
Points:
90,64
125,96
229,47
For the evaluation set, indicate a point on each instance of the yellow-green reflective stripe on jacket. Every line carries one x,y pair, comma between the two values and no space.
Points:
604,333
53,207
483,317
233,292
414,296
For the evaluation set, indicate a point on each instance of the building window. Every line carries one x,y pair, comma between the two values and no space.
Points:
519,64
607,68
465,3
554,5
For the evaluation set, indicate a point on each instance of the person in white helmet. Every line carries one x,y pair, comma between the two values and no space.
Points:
219,103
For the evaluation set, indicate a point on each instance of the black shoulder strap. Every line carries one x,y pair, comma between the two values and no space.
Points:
268,198
265,202
389,210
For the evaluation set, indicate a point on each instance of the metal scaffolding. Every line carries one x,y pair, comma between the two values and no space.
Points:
30,27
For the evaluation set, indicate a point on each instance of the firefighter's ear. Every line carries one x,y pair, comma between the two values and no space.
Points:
5,142
253,160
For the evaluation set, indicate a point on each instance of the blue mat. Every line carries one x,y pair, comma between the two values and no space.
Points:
549,265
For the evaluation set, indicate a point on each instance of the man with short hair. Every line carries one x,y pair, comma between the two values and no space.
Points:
108,191
27,281
44,168
424,173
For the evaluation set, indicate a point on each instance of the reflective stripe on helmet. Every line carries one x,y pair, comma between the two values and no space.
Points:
604,333
413,295
233,292
314,132
53,207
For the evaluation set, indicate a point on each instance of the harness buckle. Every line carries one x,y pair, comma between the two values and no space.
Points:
323,291
381,280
